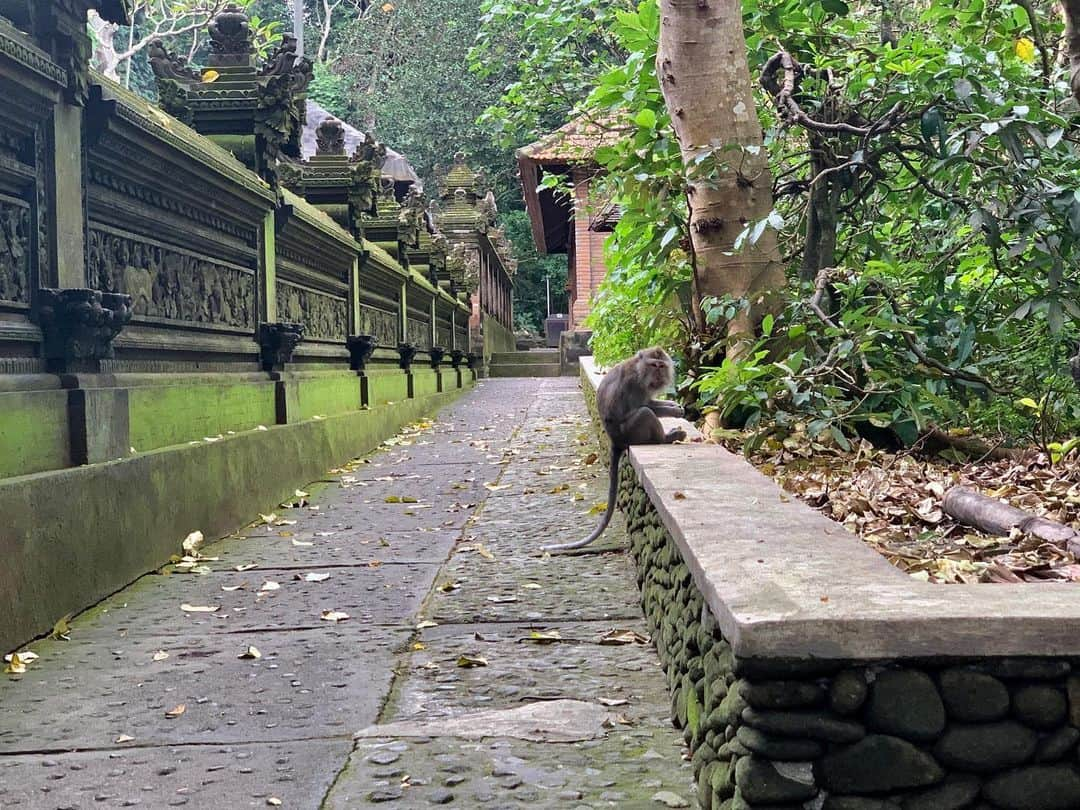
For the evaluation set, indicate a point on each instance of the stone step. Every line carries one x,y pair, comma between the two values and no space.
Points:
521,358
524,370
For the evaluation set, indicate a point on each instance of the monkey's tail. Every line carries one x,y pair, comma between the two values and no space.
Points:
613,492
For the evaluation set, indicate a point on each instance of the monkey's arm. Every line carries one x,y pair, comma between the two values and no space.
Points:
662,407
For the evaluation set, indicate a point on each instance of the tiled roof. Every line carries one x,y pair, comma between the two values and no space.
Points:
574,142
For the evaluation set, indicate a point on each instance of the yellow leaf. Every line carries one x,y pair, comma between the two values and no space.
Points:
483,552
470,661
62,629
598,508
123,738
16,665
176,711
334,616
1025,49
387,8
250,653
199,608
418,646
557,489
210,76
160,655
543,636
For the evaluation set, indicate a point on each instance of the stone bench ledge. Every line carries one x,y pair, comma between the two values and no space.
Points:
784,581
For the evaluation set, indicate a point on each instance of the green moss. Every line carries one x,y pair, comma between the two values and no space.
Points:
425,382
386,386
328,396
33,432
175,414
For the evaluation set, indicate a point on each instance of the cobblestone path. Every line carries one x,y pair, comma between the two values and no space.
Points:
478,673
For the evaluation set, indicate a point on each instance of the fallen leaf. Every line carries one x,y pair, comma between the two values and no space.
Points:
274,801
313,577
612,701
334,616
160,655
123,738
417,646
483,552
679,496
200,608
590,459
470,661
617,636
559,488
270,585
502,599
495,487
598,508
250,653
426,624
448,586
400,499
296,542
231,588
62,630
210,76
16,664
192,542
543,636
268,519
176,711
532,586
246,567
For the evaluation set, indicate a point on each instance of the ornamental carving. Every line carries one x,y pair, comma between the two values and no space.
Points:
277,342
230,37
80,325
419,333
360,347
324,316
14,252
446,337
168,284
330,137
380,323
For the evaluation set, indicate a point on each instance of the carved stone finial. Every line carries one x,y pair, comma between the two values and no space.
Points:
277,342
231,38
474,360
167,65
330,137
437,354
407,353
79,326
459,158
360,347
456,356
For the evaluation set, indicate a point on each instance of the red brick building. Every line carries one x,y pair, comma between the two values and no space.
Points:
576,223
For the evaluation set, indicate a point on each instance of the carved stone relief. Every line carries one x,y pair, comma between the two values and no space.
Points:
169,284
419,333
324,317
14,252
383,325
446,339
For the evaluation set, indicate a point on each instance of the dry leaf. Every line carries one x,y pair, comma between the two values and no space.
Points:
200,608
613,701
469,661
448,586
425,624
334,616
598,508
274,801
313,577
296,542
495,487
270,585
62,629
192,542
502,599
543,636
250,653
210,76
247,567
617,636
160,655
176,711
231,588
268,519
483,552
679,496
123,738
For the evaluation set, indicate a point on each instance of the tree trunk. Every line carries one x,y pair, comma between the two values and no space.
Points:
994,517
705,78
1072,42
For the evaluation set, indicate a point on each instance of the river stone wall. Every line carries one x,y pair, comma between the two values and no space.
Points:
894,735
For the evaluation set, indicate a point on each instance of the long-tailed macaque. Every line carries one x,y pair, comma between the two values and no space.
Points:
631,416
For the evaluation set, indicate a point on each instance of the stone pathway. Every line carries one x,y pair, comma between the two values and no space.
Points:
477,673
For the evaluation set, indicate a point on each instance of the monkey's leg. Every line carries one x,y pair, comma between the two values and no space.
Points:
643,427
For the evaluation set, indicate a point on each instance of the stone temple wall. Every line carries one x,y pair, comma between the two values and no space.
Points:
893,735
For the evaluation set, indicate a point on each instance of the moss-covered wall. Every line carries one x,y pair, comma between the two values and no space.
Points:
33,431
70,537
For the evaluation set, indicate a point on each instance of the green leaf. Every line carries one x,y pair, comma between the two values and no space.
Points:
645,118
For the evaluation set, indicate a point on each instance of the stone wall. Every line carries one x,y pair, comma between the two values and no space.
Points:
892,735
806,673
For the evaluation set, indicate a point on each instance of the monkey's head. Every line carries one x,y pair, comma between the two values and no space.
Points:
655,368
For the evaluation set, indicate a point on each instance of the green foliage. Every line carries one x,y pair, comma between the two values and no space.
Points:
530,282
404,71
329,89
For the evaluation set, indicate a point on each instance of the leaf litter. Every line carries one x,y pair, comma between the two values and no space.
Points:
893,502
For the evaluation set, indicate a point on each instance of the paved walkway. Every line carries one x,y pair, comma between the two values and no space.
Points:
479,674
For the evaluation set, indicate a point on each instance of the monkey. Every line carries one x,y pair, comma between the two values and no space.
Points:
630,416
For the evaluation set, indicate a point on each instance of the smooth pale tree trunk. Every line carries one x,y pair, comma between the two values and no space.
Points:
705,78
